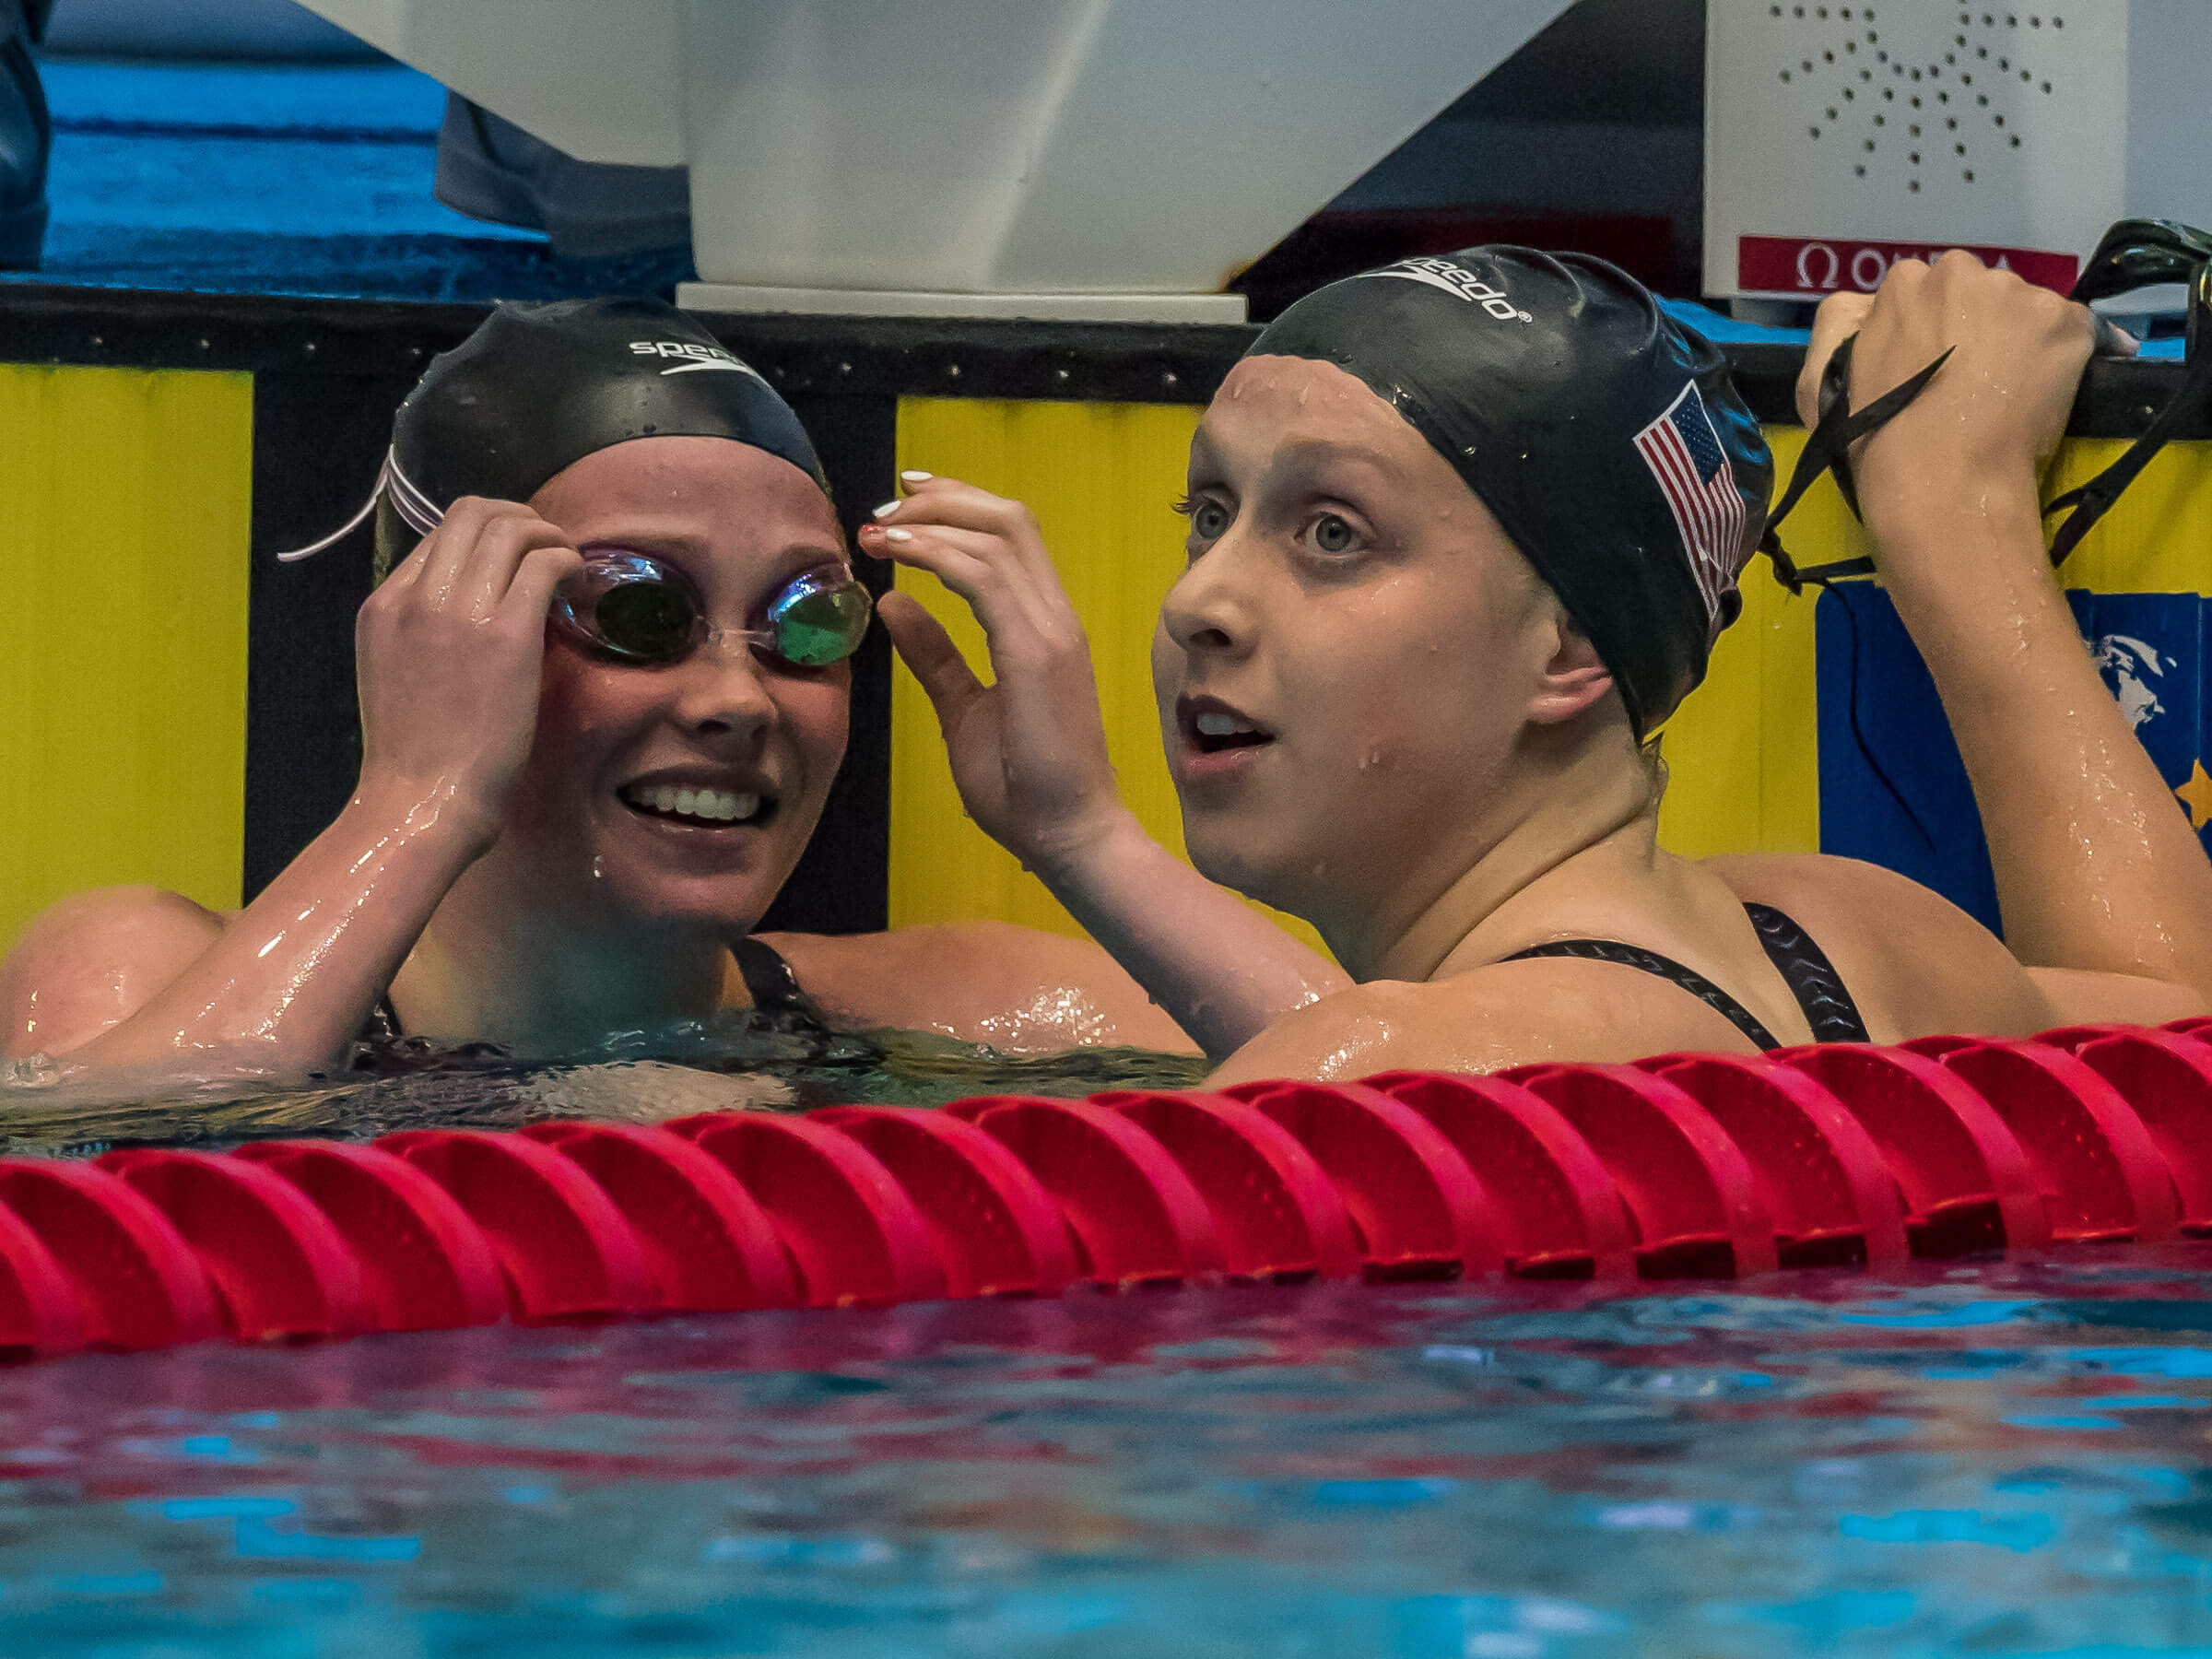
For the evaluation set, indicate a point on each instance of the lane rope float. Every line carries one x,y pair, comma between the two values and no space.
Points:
1684,1166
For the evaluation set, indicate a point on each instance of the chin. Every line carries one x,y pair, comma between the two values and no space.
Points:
1243,867
714,905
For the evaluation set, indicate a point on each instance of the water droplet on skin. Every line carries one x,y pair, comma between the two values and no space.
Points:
599,868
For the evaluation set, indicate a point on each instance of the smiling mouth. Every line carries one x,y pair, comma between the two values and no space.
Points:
1209,728
699,808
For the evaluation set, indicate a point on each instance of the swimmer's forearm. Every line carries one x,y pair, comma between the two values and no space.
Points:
287,985
1220,969
2096,865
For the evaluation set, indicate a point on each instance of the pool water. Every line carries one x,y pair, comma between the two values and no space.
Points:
731,1062
1986,1459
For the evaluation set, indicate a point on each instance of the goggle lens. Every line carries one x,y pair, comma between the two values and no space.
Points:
652,621
638,610
817,622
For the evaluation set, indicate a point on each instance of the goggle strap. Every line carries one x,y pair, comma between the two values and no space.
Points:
416,510
419,514
2138,253
2092,500
1828,449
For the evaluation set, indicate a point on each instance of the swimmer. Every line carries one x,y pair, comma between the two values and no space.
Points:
1461,536
604,692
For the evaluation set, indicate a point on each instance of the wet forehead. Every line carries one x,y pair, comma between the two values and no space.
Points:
1289,416
701,495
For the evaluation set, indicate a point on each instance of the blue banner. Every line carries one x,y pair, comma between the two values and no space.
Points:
1893,790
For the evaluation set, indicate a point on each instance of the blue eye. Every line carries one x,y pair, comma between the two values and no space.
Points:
1332,534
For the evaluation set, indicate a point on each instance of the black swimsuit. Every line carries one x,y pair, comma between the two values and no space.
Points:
1811,977
768,981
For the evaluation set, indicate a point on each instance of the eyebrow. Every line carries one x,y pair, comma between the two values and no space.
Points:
683,544
1302,456
1313,453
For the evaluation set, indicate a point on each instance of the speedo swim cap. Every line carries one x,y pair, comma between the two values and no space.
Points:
1603,434
537,387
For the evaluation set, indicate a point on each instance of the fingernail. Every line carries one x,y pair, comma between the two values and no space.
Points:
885,510
898,535
915,478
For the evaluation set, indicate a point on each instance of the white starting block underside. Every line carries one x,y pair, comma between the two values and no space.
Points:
1110,161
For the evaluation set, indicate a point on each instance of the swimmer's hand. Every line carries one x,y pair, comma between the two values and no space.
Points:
1977,438
450,652
1029,752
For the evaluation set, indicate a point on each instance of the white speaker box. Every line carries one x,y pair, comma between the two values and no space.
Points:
1841,137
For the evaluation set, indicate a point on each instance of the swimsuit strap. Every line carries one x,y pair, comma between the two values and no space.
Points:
1666,968
1803,966
771,984
1812,978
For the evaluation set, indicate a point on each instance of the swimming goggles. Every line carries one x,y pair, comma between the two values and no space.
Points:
633,608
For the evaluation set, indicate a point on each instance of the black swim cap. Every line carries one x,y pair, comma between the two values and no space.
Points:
540,386
1604,435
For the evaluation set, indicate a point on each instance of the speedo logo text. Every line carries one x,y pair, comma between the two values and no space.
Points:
692,356
1458,282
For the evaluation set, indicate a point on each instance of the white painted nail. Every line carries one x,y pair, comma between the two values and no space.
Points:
898,535
915,478
887,510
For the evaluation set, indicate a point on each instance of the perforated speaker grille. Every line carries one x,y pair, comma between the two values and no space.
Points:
1914,104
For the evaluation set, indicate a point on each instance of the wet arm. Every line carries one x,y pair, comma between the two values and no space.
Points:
282,989
450,652
1222,970
2096,868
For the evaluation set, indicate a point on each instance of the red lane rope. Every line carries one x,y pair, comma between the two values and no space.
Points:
1684,1165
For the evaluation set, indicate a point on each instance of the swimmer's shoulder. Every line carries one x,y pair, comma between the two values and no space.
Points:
1918,965
93,960
1504,1014
1016,988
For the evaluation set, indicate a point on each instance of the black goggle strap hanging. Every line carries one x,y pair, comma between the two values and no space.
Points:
1828,449
2092,500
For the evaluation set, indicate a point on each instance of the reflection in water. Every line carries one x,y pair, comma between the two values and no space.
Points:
1985,1459
729,1062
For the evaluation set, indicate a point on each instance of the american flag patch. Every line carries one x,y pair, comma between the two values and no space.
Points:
1685,455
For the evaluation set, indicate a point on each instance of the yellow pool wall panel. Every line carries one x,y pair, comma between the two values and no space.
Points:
126,494
1743,752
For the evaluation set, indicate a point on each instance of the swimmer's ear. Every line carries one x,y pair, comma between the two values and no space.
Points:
1572,678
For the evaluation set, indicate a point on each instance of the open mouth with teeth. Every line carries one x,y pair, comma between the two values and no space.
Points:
1210,727
703,808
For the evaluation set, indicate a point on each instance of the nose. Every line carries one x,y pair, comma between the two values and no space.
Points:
722,691
1209,609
